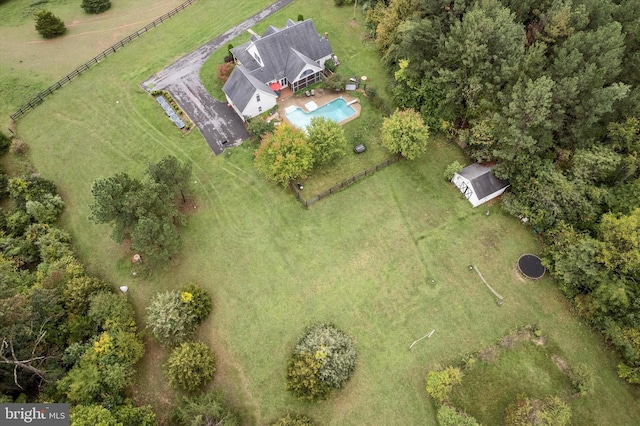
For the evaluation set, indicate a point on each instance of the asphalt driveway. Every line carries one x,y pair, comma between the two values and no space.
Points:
219,124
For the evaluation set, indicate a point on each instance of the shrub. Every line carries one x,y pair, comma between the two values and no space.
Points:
19,147
190,366
112,311
371,92
129,414
78,291
258,127
303,379
90,415
300,18
582,379
550,412
293,420
5,143
47,209
4,185
335,351
330,65
337,82
224,71
170,319
452,169
441,381
323,360
207,409
95,6
199,302
448,416
49,25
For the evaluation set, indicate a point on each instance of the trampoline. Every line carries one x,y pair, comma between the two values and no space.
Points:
531,266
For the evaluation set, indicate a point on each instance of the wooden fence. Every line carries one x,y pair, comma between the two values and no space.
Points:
337,187
37,99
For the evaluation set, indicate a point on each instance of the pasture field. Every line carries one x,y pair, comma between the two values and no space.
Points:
363,258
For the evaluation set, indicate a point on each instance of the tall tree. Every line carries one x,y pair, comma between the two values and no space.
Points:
405,133
479,57
326,138
170,172
111,203
284,155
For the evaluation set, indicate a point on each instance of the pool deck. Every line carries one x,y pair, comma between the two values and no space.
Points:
322,97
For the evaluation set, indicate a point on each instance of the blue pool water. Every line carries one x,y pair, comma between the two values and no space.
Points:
336,110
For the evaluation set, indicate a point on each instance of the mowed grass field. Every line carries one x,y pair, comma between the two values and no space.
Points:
363,259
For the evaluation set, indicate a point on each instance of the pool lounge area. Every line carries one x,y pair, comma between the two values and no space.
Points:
298,110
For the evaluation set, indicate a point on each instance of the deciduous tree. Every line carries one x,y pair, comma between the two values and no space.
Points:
191,366
405,133
284,155
326,138
170,319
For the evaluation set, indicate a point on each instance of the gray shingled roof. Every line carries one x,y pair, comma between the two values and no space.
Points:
482,179
237,84
276,48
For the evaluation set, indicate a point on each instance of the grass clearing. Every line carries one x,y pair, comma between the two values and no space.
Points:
489,386
362,258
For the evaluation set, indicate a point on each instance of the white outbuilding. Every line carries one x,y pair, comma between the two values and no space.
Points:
479,184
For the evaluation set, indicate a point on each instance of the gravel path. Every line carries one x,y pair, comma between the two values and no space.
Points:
219,124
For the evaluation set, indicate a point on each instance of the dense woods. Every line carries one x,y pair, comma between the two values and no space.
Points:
549,90
64,335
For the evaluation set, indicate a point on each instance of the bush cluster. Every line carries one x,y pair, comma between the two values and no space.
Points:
323,360
440,382
526,411
190,366
293,420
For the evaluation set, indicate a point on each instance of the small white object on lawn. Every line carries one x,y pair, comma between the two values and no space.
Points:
124,289
423,337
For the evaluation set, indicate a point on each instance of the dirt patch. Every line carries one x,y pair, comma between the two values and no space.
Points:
187,208
510,340
540,341
562,364
488,354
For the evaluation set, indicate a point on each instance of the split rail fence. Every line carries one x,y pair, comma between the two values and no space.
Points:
37,99
337,187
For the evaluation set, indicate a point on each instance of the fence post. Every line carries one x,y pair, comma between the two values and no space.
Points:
40,96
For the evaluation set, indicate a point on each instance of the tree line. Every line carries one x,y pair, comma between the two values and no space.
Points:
548,89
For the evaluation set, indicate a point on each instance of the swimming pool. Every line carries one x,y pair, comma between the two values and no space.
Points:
336,110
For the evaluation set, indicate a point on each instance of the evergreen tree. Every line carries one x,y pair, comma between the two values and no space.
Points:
49,25
95,6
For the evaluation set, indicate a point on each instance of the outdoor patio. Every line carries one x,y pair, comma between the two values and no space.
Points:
321,97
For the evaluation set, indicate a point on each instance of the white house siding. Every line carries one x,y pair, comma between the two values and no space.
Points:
255,107
467,190
488,197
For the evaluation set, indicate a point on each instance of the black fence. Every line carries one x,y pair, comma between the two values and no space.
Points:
37,99
337,187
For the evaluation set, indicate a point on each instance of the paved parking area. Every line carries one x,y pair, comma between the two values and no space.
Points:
219,124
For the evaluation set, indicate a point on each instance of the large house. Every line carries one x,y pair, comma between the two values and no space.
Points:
478,183
291,57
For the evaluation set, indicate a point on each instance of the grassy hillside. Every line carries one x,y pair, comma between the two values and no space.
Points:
364,258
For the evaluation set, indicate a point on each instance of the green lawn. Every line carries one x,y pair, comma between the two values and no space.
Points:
363,258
